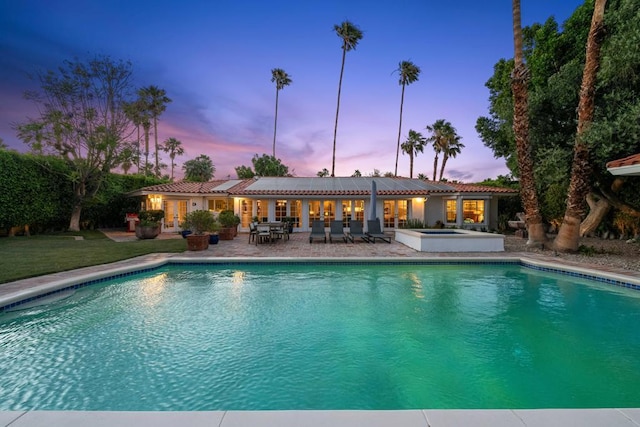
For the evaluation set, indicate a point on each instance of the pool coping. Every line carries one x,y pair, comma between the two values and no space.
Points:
23,290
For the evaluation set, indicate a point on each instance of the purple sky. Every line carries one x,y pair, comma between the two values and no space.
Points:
214,59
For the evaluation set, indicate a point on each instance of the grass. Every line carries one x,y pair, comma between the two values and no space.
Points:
23,257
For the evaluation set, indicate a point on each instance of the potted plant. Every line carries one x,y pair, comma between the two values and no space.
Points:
199,222
228,223
149,225
289,220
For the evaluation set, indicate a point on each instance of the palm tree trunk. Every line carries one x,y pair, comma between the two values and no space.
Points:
138,147
335,129
155,135
435,166
275,123
399,130
579,186
444,162
410,164
146,150
172,156
528,193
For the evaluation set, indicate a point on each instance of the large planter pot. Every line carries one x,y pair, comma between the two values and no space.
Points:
214,238
197,242
147,231
226,233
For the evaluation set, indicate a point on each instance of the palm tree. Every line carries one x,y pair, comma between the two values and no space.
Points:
281,79
528,192
568,237
356,173
156,100
452,148
422,177
323,173
412,146
441,131
141,111
200,169
174,148
350,35
409,73
132,110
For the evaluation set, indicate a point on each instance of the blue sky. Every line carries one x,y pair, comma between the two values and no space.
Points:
214,59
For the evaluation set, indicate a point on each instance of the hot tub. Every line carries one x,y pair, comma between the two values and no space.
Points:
450,240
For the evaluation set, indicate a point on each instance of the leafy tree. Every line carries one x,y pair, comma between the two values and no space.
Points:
155,101
350,35
82,120
266,165
128,156
323,173
3,145
422,177
174,147
244,172
356,173
412,146
569,234
135,112
409,73
281,79
200,169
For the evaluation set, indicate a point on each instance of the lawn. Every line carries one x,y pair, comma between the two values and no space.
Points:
22,257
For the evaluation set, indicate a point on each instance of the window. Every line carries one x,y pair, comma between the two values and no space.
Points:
346,213
281,210
218,205
329,212
389,213
262,210
452,211
358,210
402,213
314,211
296,210
473,211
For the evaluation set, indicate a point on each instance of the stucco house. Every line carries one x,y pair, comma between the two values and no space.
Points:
308,199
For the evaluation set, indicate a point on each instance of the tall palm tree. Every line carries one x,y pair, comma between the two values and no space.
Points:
519,81
281,79
441,131
156,100
409,73
452,148
350,35
142,110
412,146
568,238
135,113
173,146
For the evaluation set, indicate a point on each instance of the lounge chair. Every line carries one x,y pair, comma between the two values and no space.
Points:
356,231
374,232
317,231
337,231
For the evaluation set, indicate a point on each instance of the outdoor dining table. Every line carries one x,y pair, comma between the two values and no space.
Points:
276,230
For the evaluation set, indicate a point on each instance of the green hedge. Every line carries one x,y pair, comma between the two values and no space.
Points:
36,190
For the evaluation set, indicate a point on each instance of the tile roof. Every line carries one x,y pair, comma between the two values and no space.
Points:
301,186
618,167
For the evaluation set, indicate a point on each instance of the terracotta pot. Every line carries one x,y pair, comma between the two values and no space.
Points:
197,242
147,231
226,233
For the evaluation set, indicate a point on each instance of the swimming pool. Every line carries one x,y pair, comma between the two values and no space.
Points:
326,336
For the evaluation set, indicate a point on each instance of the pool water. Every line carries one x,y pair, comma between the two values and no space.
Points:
251,337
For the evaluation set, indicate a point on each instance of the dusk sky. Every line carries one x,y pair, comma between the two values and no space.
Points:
214,59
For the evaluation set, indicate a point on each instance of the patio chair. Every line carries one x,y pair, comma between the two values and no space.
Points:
317,231
280,230
374,232
356,231
263,233
336,231
253,231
